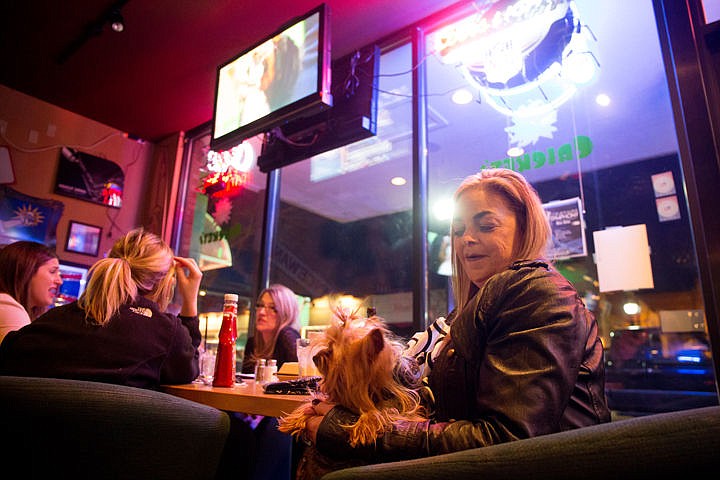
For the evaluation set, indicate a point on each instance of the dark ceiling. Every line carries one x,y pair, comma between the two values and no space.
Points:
157,76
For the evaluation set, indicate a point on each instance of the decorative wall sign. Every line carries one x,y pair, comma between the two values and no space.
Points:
663,184
666,199
229,171
526,58
23,217
668,208
87,177
568,229
83,238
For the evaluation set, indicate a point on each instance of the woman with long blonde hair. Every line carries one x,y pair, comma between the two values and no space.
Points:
277,324
260,447
118,331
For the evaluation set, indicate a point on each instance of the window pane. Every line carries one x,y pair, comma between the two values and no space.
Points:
222,230
711,9
344,233
600,145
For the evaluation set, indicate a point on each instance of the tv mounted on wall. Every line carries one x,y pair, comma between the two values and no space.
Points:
353,116
74,277
284,76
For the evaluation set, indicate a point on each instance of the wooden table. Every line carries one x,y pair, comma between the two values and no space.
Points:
246,398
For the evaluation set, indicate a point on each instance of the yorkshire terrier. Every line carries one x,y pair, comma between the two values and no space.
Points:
362,368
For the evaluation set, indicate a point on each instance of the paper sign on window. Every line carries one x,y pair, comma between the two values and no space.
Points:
622,255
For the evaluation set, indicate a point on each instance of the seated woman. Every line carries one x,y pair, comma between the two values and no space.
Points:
277,324
118,331
523,356
29,282
261,449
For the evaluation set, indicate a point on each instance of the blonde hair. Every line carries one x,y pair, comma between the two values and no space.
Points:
533,227
139,264
362,366
288,315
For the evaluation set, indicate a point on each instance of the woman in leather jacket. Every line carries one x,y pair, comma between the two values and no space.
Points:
523,356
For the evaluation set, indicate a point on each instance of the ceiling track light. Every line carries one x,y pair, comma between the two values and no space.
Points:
111,16
117,22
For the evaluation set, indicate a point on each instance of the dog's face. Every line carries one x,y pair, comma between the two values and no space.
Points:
361,364
356,358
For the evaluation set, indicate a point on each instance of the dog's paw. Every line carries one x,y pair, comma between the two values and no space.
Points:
294,422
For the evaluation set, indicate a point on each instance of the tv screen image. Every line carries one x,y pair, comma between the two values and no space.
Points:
74,278
284,76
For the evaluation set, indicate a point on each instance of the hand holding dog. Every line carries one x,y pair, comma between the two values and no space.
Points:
313,423
360,363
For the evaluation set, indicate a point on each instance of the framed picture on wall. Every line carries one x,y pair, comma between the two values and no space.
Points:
23,217
83,238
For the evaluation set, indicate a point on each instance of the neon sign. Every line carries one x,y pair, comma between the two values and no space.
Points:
525,57
229,171
581,147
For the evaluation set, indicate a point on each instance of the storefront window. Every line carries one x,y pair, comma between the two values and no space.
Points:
551,95
574,95
222,228
344,230
711,8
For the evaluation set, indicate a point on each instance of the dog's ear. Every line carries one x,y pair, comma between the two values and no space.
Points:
373,343
322,360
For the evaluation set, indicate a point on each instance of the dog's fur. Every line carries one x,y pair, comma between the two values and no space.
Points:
362,368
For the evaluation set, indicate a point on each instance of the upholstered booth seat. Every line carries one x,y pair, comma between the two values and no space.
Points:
56,428
670,445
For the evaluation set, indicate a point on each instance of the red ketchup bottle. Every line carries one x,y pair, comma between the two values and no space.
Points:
226,354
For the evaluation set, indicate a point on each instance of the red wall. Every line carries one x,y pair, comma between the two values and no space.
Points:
35,131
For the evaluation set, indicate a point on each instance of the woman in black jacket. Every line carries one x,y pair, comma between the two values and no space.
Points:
523,356
119,330
277,324
261,449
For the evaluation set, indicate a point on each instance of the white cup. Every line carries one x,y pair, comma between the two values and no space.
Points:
207,366
306,366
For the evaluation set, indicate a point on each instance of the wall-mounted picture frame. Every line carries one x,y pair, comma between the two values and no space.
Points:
83,238
23,217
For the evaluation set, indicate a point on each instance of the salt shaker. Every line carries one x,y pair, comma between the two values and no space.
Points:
260,370
272,369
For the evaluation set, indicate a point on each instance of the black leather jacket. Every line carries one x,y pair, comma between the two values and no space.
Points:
524,359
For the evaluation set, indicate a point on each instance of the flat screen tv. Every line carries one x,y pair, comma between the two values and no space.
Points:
284,76
353,116
74,277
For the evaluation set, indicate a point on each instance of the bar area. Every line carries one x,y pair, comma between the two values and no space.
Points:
328,193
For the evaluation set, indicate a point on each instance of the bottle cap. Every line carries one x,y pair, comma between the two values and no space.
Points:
231,297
